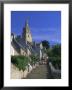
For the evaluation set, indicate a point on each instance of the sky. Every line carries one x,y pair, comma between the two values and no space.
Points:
44,25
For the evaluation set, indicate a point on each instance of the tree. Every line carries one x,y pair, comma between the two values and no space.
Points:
57,50
49,52
54,54
45,44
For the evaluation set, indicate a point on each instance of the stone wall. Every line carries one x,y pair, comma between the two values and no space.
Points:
56,74
19,74
13,51
23,52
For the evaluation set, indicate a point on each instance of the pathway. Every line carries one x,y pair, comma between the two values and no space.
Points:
40,72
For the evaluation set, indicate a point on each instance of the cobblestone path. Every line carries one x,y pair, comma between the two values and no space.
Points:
40,72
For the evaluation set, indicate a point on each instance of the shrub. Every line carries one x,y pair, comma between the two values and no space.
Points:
54,54
20,61
49,52
56,50
56,61
34,59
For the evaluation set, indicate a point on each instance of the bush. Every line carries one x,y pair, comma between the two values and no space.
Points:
49,52
34,59
56,61
56,50
54,54
20,61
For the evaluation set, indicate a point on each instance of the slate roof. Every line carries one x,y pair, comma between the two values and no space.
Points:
15,46
20,43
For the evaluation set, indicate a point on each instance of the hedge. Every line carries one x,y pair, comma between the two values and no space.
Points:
20,61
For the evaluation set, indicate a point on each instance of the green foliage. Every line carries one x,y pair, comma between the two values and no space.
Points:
56,61
54,54
45,44
34,59
49,52
20,61
56,50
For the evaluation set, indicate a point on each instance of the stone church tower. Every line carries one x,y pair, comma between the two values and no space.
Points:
26,34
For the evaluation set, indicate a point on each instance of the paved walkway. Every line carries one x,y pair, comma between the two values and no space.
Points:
41,72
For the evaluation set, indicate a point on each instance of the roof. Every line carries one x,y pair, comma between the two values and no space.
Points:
20,43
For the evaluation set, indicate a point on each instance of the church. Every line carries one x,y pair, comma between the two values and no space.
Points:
24,45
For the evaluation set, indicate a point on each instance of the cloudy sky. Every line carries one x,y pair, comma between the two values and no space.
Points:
44,25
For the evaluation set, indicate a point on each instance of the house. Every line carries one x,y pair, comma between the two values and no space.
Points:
23,45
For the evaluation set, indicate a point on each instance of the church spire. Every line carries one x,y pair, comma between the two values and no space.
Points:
26,35
26,23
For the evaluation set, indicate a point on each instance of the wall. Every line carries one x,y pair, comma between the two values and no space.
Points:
29,37
18,74
28,52
23,52
13,51
56,74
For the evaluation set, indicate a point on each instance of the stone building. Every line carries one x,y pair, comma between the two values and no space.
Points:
26,34
23,45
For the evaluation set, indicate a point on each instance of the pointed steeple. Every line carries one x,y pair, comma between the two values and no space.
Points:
26,23
26,35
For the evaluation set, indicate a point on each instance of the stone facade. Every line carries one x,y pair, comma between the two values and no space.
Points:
26,35
23,52
19,74
13,51
23,45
